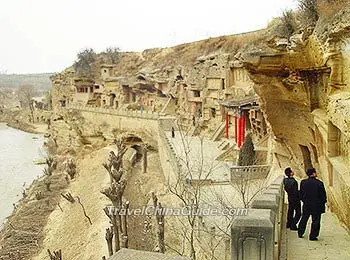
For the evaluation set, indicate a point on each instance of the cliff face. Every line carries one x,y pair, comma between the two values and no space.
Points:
303,86
305,98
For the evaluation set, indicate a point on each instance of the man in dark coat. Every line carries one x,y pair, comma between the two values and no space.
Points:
291,187
313,195
172,132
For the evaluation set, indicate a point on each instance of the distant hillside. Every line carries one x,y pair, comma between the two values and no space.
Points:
41,82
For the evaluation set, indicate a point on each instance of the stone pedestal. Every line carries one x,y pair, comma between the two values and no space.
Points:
271,199
253,236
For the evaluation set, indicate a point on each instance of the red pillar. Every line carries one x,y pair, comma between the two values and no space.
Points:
239,128
243,127
227,124
236,127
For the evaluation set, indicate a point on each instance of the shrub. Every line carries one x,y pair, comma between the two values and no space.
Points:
247,153
84,61
71,168
328,8
288,24
308,12
112,54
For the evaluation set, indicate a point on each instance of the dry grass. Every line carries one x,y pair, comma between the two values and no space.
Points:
183,54
23,232
312,10
327,8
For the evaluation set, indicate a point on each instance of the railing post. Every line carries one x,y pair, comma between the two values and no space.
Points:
252,235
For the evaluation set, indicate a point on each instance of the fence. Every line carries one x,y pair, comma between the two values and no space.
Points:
253,172
174,160
259,234
118,112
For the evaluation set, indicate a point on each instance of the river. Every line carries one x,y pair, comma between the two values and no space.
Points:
18,149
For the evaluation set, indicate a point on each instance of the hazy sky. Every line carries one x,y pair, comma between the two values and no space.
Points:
45,35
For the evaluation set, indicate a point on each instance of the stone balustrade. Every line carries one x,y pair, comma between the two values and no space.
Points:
174,160
253,172
258,235
118,112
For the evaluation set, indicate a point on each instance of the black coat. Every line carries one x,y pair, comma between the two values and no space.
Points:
313,195
291,187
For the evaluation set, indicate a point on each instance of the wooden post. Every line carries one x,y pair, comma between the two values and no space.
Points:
144,165
243,127
236,127
227,124
239,121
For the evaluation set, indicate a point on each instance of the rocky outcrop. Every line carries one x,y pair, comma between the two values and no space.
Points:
302,83
305,99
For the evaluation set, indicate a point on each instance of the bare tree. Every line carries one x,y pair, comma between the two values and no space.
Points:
248,186
189,193
112,54
114,192
55,255
71,168
160,223
25,95
69,197
109,239
193,185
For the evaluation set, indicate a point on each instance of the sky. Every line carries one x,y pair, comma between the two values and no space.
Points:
38,36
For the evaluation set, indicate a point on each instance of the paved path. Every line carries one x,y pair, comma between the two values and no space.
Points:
220,170
333,243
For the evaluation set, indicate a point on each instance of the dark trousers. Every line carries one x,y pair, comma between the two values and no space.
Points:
315,225
294,214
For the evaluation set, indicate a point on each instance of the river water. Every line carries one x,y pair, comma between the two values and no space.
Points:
18,149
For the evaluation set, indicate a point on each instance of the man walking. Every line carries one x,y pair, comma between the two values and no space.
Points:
313,195
172,132
291,187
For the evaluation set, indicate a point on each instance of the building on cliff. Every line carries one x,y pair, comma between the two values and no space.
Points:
293,98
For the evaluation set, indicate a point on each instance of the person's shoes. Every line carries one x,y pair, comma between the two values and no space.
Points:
294,228
287,226
300,236
313,239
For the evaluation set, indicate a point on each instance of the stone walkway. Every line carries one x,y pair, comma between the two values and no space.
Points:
333,243
220,170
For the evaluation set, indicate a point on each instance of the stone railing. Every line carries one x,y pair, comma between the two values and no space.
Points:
258,235
174,160
254,171
118,112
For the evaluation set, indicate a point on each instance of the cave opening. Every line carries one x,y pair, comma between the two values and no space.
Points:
306,156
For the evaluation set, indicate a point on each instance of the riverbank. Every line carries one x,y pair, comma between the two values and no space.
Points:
29,223
28,206
53,223
66,227
15,119
23,233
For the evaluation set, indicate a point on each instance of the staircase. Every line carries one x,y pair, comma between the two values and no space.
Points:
165,106
262,141
231,153
219,132
224,144
194,130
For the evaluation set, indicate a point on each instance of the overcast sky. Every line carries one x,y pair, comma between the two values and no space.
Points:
45,35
